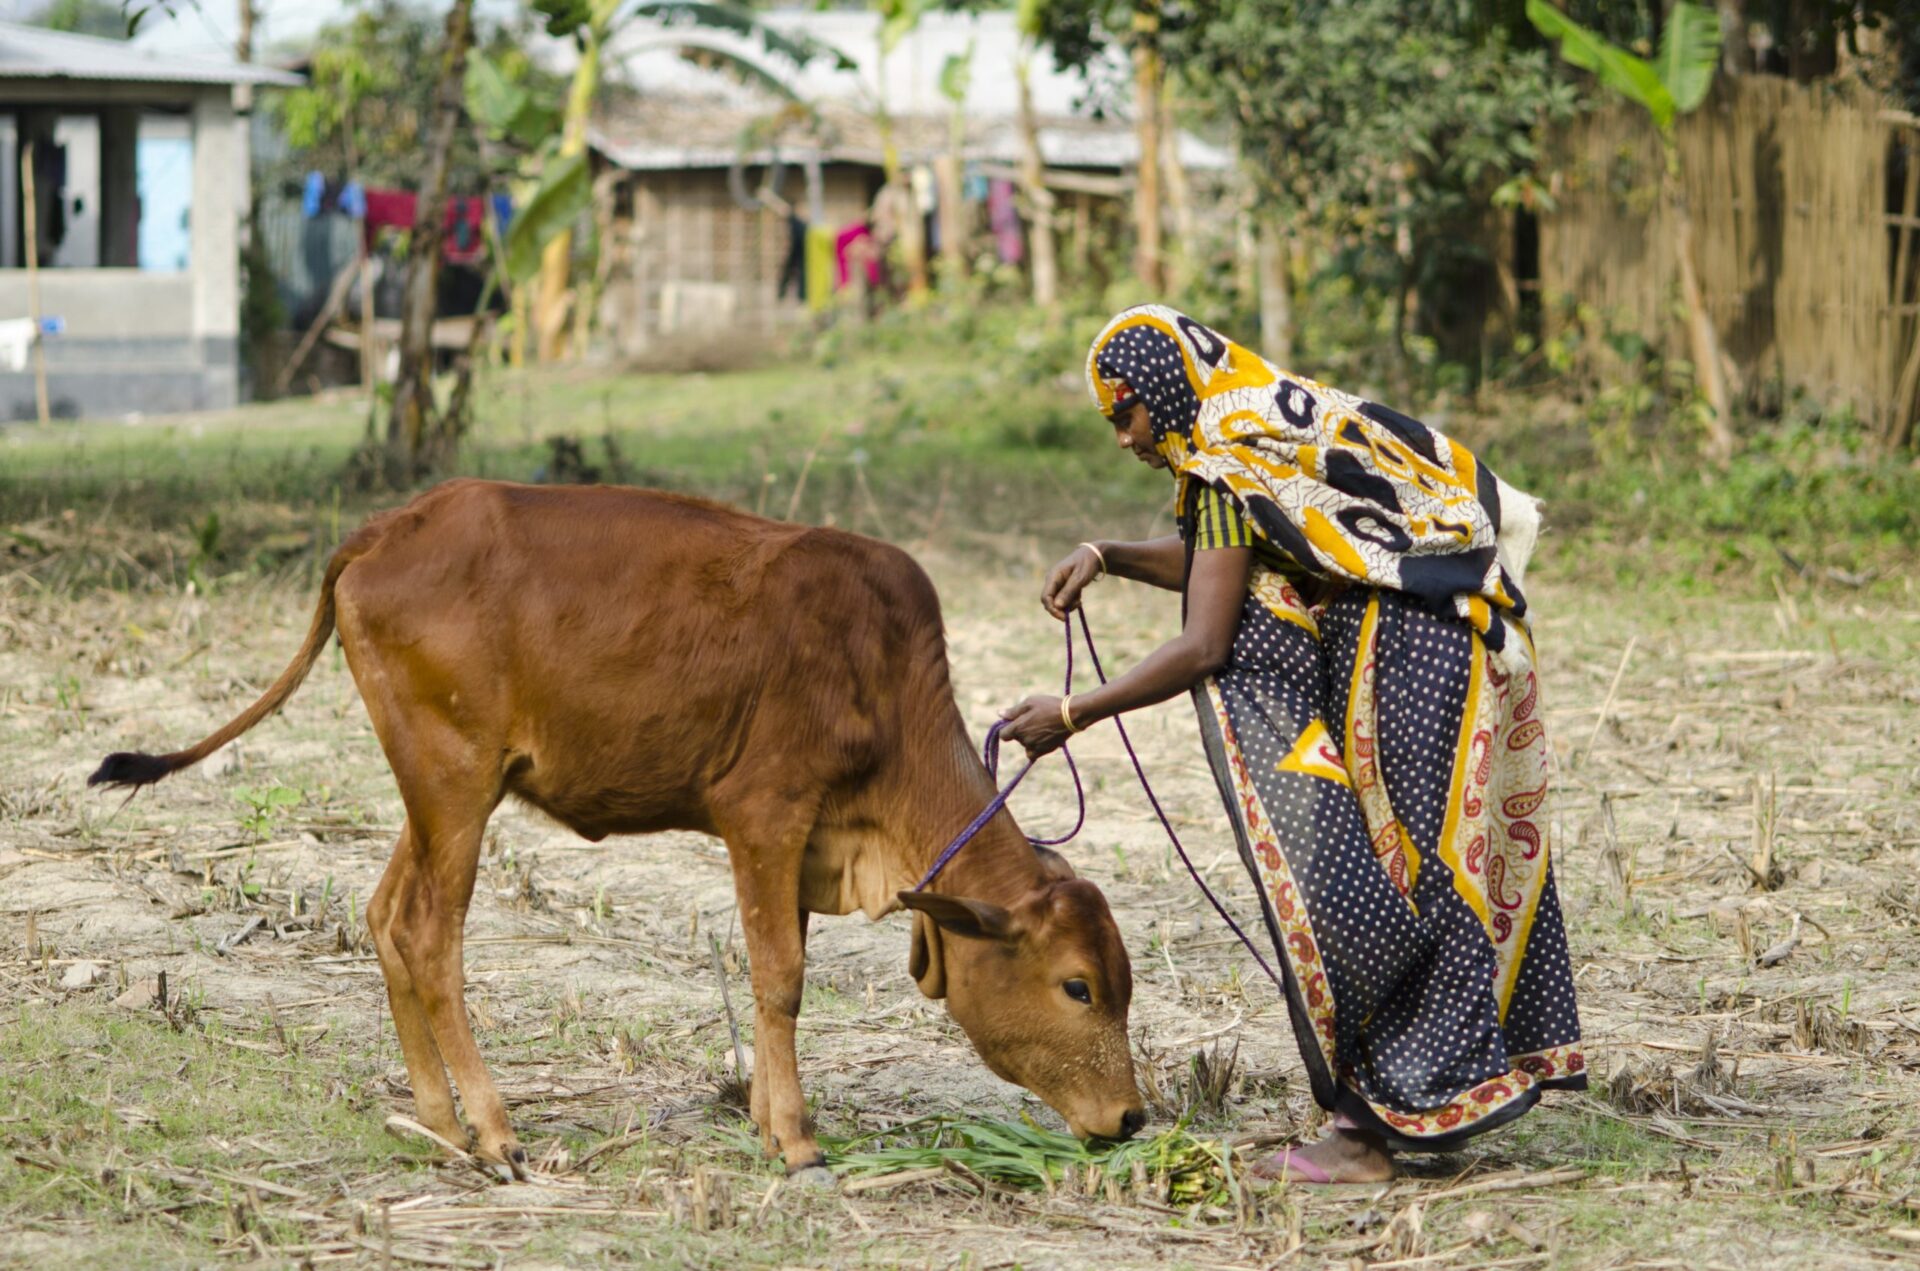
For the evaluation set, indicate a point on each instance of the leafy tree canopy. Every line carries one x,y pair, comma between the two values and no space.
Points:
366,107
103,18
1369,116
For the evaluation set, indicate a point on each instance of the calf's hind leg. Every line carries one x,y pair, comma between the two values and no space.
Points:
431,939
449,793
426,1071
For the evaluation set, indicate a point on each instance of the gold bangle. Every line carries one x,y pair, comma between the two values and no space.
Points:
1099,556
1066,715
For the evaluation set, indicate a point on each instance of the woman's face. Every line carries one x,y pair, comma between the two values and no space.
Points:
1132,431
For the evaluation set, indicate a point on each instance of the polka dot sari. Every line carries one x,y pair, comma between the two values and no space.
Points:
1387,776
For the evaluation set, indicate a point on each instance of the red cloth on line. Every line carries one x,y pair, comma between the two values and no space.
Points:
466,239
849,251
389,209
466,233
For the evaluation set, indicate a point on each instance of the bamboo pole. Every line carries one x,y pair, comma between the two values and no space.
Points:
331,306
1040,201
1900,411
1146,104
364,270
31,211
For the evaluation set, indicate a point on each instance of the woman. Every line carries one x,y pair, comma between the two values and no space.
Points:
1355,643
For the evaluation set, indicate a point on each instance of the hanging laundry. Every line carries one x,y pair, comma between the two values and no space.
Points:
856,247
1003,217
465,241
16,342
820,267
321,195
389,209
793,270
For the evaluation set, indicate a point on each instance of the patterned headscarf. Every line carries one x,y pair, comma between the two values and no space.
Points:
1348,489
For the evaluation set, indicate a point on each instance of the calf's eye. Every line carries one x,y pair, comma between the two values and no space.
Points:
1077,990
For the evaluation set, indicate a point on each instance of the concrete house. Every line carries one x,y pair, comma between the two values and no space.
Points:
139,166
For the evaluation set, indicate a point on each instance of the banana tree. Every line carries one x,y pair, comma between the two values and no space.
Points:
956,78
1030,18
1673,84
898,18
1148,83
566,187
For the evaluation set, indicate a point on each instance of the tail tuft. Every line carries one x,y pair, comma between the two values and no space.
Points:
130,770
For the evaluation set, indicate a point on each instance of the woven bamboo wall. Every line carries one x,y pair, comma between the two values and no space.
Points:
1789,189
686,232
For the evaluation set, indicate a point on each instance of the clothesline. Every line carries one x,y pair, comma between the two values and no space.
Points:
382,209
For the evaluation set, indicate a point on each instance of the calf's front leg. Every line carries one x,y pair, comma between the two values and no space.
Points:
766,882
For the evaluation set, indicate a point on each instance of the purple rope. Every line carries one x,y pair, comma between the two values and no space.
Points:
990,755
1165,824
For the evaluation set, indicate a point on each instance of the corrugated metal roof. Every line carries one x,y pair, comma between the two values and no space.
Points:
33,53
656,133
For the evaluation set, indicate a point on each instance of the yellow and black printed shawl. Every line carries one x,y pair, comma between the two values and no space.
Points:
1349,489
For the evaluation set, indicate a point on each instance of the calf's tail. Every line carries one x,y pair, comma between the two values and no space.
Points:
132,769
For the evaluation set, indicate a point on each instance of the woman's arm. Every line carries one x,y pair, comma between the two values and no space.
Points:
1160,562
1215,592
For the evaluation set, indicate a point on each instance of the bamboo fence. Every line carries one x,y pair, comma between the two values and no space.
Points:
1803,200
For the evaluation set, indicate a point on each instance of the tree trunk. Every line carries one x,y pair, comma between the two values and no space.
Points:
909,230
556,260
953,220
1146,105
1040,203
1703,341
30,211
243,52
1736,50
1179,263
413,434
1276,290
913,237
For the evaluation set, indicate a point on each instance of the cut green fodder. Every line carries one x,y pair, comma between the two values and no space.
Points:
1175,1166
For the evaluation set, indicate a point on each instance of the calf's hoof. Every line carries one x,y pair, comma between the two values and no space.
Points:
508,1163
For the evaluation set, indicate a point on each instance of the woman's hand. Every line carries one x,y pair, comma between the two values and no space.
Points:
1036,724
1066,580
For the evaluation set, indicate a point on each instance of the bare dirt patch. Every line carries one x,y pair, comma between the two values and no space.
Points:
1737,821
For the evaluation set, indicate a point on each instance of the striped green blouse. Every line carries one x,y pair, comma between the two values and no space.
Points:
1218,522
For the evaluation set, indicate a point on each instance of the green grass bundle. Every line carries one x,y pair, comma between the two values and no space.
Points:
1174,1166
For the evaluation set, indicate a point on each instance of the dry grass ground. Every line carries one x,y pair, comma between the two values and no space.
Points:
1738,829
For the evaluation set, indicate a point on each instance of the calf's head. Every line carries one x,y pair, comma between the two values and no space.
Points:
1041,988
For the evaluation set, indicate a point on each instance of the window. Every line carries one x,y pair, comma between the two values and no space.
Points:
113,187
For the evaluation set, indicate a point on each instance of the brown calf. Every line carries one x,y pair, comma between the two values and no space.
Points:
628,661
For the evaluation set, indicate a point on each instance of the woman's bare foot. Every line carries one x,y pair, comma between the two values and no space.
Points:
1343,1156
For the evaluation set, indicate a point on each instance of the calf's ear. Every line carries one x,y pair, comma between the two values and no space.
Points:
1054,867
959,916
927,964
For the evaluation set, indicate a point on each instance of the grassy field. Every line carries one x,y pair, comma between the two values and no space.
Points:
195,1065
